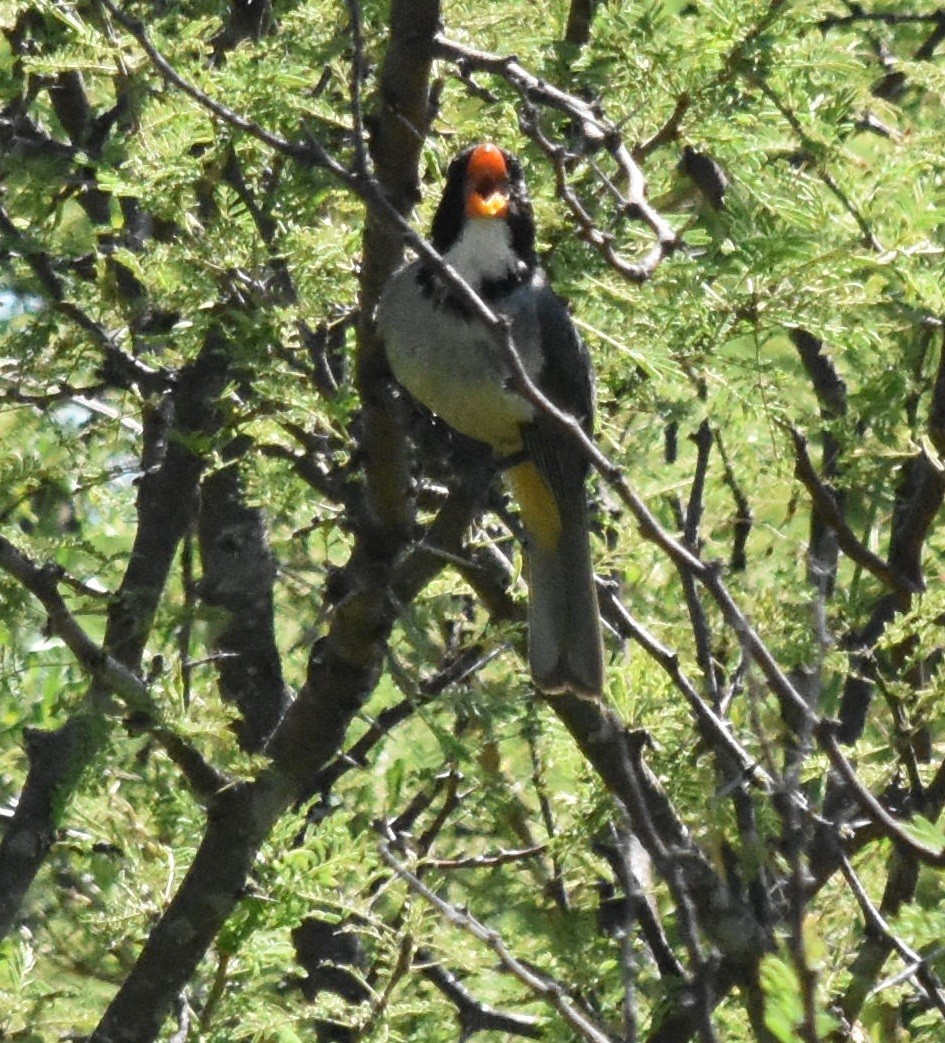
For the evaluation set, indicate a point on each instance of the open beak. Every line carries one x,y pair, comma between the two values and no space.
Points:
487,179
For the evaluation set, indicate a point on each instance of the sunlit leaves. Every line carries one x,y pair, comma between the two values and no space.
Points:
176,227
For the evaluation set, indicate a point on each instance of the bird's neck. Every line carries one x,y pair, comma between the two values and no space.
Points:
483,254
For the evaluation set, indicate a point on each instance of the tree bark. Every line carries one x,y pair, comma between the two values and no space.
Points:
345,665
166,497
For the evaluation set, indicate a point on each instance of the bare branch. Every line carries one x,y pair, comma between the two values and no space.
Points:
596,132
917,966
499,858
825,502
473,1015
539,984
42,582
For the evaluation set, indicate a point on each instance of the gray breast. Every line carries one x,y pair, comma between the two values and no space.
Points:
449,362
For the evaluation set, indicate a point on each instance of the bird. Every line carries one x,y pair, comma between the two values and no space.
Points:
443,354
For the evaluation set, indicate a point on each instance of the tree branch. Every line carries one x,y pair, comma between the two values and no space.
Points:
596,133
165,504
238,577
474,1016
43,583
916,965
825,503
542,986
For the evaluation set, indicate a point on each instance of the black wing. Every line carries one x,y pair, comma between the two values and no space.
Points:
567,379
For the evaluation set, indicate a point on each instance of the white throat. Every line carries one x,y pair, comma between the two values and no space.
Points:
483,250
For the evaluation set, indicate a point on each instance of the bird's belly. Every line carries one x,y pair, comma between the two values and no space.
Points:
450,363
470,400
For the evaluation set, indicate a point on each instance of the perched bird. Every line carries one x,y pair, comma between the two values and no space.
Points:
447,359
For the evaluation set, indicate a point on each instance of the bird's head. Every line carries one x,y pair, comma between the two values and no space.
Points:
485,183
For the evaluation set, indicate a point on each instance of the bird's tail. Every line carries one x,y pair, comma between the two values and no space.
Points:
564,637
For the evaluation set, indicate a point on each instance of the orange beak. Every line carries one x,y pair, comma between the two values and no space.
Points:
487,178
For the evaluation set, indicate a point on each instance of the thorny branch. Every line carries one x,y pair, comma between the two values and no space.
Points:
825,502
542,986
475,1016
597,134
916,966
707,574
500,858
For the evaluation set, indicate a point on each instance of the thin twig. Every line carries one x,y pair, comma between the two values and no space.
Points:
542,986
643,911
887,17
712,726
668,132
825,502
499,858
361,160
539,783
42,583
824,733
917,966
691,520
313,153
743,516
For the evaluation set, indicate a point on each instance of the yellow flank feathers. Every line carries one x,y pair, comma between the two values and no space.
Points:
537,502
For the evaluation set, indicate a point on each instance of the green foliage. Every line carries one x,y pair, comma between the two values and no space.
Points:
784,1012
129,244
